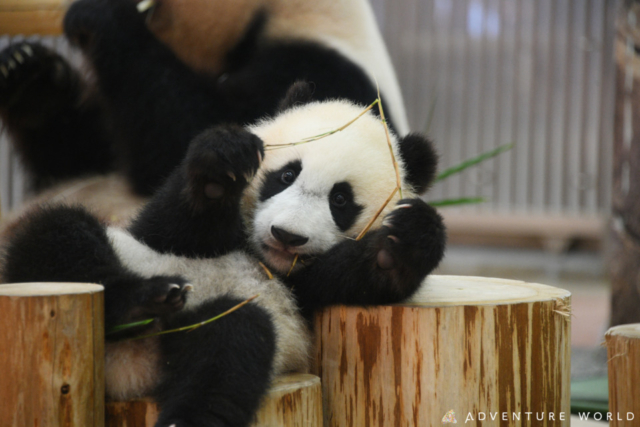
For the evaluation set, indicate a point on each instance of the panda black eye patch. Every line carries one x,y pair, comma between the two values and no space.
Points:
344,209
278,180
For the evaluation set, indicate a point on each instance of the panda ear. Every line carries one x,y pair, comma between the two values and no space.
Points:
420,159
299,93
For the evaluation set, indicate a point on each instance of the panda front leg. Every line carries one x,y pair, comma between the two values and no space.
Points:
196,213
55,123
386,266
217,374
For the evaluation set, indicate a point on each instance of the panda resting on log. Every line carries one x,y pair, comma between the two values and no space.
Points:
232,201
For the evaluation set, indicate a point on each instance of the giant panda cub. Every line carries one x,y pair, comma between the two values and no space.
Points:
165,75
233,201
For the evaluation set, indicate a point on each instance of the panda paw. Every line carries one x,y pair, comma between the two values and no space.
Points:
220,163
164,295
412,238
28,71
86,21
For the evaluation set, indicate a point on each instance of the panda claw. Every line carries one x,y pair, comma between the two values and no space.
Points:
232,176
143,6
259,157
12,64
4,70
27,49
18,57
173,286
403,206
188,287
393,239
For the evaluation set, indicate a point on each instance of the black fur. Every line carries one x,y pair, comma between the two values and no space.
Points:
67,244
248,45
386,266
196,213
43,106
273,182
153,102
420,160
299,93
346,215
216,374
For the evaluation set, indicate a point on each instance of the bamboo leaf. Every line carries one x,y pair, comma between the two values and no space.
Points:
473,161
457,202
119,328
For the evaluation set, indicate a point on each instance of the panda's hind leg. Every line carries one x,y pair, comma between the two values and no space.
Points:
56,125
216,374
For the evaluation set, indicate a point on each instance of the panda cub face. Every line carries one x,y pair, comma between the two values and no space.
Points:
309,197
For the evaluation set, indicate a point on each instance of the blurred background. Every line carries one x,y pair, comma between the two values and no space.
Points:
555,78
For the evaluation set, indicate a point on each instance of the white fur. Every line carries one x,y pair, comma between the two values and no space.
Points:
303,208
131,368
299,210
236,274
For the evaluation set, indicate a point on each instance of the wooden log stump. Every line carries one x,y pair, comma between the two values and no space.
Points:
293,401
623,351
51,355
488,349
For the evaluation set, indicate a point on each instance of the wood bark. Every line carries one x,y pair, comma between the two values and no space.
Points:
293,401
51,355
624,232
623,351
472,345
28,17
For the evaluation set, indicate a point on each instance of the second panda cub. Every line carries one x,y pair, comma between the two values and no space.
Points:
243,195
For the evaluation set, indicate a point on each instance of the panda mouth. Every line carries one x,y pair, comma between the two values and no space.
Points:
281,258
283,252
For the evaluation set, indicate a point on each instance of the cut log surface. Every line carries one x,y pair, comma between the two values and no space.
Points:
491,350
293,401
623,351
51,355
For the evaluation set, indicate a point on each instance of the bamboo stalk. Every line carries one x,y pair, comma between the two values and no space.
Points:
271,147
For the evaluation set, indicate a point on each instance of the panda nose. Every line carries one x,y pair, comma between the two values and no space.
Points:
287,238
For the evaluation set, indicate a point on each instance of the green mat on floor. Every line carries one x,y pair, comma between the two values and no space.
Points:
590,395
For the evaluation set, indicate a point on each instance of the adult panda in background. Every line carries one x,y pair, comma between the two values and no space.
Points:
208,225
165,75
